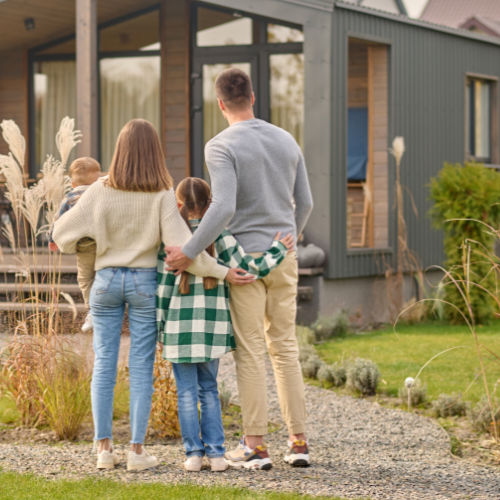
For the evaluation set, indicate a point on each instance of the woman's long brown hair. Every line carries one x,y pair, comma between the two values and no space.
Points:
138,163
194,195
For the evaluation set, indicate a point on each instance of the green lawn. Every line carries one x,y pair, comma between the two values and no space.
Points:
8,411
402,355
27,487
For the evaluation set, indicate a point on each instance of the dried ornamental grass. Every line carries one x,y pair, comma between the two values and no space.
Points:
163,418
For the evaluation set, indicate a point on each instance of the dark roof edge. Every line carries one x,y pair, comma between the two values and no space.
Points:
415,22
401,7
324,5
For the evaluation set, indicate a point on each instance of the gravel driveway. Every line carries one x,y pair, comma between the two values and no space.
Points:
359,450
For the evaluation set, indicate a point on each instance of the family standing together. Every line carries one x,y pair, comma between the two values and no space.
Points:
203,270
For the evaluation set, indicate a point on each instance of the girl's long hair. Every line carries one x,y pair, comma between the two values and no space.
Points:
194,195
138,163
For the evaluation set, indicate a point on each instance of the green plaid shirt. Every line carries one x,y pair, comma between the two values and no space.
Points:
196,327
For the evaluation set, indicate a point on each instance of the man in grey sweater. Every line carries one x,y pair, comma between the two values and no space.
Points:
257,170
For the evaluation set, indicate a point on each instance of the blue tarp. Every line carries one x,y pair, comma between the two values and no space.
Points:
357,143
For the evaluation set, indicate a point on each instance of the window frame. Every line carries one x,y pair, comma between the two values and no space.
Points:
34,57
494,156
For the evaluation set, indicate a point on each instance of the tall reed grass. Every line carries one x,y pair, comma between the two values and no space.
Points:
39,368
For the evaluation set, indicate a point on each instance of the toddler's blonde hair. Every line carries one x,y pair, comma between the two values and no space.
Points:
80,169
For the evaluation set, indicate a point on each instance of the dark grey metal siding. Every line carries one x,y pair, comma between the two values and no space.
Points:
426,106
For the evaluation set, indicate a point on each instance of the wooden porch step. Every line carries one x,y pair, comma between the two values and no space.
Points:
26,287
30,307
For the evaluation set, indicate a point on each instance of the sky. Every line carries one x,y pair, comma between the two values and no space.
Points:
414,7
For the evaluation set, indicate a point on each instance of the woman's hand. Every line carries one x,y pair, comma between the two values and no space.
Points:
288,241
234,276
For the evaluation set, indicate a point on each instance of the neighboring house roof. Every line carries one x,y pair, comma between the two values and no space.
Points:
393,6
455,13
483,25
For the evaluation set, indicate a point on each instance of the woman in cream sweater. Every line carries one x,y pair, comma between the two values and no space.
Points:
128,214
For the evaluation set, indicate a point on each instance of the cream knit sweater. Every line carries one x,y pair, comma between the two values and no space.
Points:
128,228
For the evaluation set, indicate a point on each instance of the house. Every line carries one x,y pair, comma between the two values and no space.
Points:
481,16
343,78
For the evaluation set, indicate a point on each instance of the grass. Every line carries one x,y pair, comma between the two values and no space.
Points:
8,412
402,355
28,487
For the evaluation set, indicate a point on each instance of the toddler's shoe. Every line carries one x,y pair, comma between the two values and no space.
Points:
88,325
298,453
218,464
142,461
243,456
193,464
107,459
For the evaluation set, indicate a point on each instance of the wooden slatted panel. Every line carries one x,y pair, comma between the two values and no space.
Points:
175,86
357,93
13,91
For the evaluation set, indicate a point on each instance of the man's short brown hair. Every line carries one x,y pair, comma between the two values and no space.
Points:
80,169
234,88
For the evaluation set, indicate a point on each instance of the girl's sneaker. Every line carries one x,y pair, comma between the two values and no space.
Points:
243,456
218,464
107,459
298,453
142,461
88,325
193,464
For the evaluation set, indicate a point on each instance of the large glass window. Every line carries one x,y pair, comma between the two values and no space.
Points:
478,119
130,88
129,64
216,28
287,93
55,98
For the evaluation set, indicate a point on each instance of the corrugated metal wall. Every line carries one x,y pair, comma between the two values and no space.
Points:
426,106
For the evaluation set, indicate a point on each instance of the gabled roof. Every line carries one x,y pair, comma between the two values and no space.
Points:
454,13
479,23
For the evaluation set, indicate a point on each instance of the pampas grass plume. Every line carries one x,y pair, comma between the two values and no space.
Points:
398,148
67,138
14,139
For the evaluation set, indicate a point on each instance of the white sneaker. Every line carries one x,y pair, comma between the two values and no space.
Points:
193,464
88,325
142,461
218,464
107,459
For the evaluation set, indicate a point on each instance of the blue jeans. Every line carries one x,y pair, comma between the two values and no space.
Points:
198,382
113,288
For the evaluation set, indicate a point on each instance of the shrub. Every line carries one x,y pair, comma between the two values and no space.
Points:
447,405
332,375
418,394
311,366
468,193
304,335
336,325
305,352
163,416
325,375
363,376
225,395
480,415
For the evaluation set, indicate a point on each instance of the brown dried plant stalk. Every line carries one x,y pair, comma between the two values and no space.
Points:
164,420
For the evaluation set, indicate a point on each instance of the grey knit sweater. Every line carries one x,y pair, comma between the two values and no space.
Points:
256,170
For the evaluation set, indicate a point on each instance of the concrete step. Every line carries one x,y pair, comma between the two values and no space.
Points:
25,306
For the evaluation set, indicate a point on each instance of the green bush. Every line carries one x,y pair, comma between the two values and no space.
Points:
418,394
470,193
337,325
449,406
363,376
480,415
311,366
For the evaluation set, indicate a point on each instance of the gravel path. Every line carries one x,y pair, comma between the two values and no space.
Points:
359,450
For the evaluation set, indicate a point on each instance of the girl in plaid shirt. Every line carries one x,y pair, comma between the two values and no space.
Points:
194,326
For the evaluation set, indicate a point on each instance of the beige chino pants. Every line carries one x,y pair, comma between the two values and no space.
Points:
272,298
85,261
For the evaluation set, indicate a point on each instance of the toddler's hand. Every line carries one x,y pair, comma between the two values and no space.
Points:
53,247
288,241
